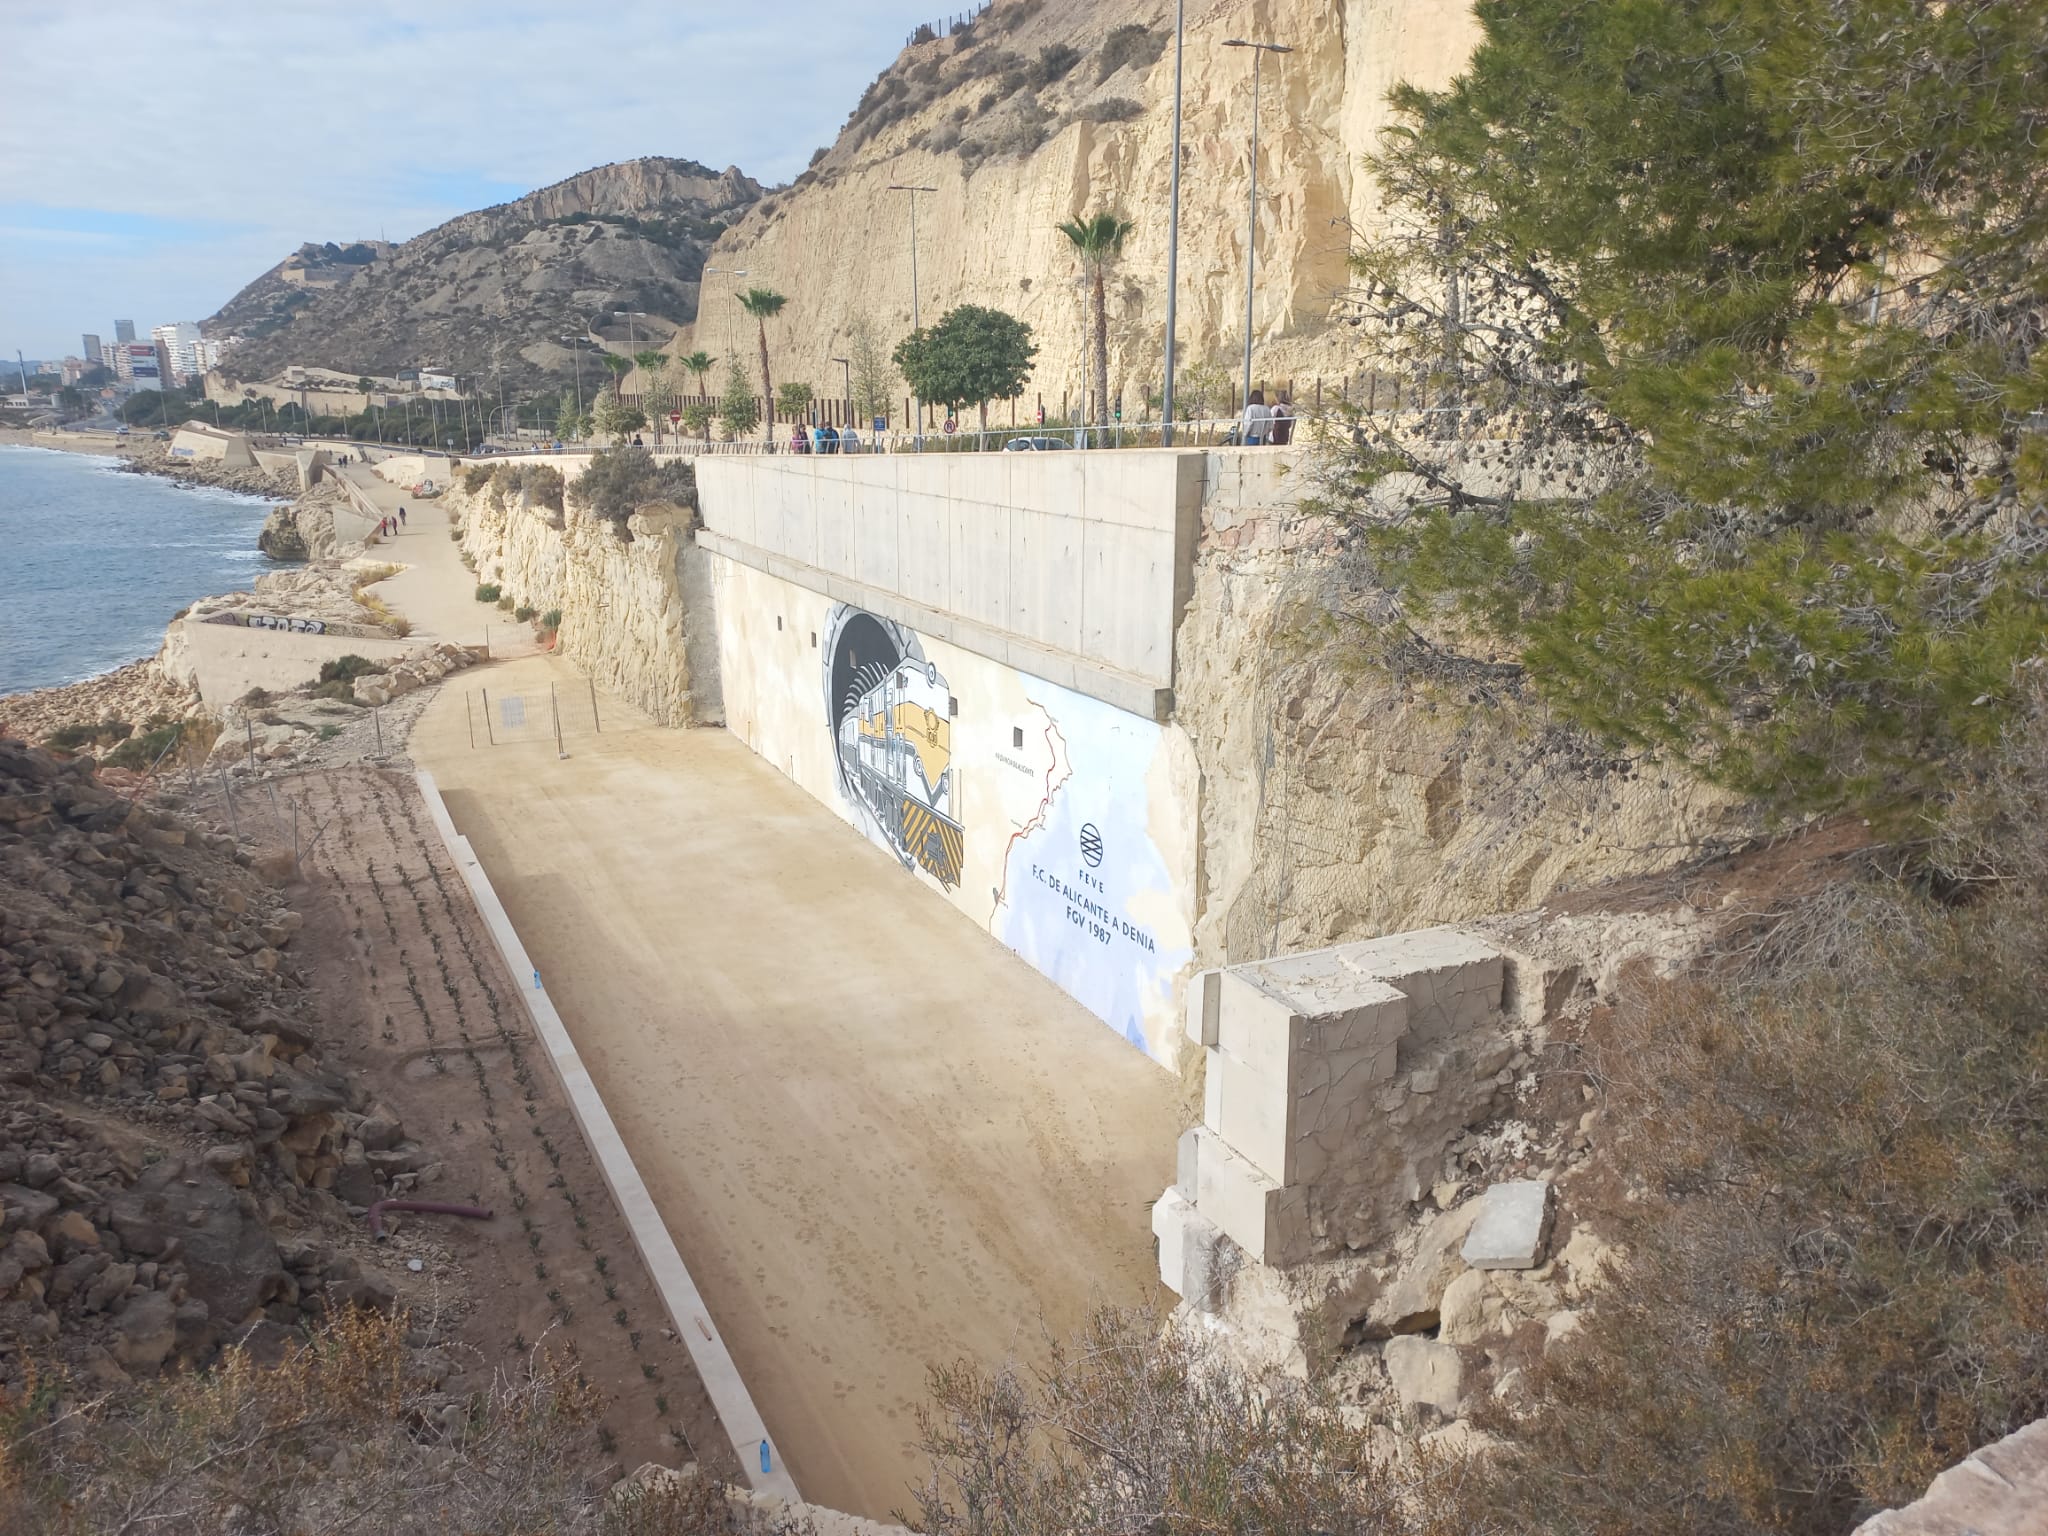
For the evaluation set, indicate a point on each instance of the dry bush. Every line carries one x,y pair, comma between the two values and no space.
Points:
1840,1274
338,1436
1131,1431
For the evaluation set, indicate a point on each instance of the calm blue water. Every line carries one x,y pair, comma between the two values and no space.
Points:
94,563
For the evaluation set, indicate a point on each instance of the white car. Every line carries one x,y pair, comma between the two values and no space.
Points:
1035,444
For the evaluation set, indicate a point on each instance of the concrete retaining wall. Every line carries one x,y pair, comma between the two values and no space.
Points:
1074,567
680,1297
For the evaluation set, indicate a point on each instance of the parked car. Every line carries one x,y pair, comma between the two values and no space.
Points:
1035,444
161,435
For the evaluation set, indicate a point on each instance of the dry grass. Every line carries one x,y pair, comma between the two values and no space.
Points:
1840,1281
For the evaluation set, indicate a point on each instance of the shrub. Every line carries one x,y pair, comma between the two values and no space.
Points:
924,34
328,732
1112,109
1838,1280
551,620
476,477
208,1452
524,612
69,738
1133,44
345,668
1053,62
620,481
143,748
487,592
1129,1430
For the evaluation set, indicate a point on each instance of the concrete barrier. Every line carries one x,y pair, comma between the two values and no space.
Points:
679,1295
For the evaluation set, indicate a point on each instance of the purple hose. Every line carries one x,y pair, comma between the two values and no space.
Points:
430,1207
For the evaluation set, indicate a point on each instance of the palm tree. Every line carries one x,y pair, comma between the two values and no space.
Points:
700,363
654,391
764,304
1099,240
618,367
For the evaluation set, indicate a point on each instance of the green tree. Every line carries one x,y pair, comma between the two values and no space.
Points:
739,412
698,416
657,388
1732,314
1099,241
615,419
570,423
764,304
618,367
793,401
870,370
972,356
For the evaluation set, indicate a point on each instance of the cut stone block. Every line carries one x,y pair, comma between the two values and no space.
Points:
1426,1374
1274,1012
1203,989
1268,1222
1293,1135
1513,1226
1169,1225
1187,1155
1453,980
1212,1091
1536,989
1207,1261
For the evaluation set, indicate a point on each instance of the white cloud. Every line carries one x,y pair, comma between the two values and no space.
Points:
323,120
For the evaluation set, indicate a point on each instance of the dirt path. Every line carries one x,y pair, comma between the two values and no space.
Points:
442,1042
879,1138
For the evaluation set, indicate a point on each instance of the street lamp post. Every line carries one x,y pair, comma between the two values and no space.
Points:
916,320
576,351
725,272
1172,232
1251,255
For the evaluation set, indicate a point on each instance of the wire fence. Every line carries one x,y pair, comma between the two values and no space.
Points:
556,716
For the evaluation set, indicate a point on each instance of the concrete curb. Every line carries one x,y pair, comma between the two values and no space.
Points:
686,1310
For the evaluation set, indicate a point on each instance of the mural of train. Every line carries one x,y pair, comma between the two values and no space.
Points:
893,736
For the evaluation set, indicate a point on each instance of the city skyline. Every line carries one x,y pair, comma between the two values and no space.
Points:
397,121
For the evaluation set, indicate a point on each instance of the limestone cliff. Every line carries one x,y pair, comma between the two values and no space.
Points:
1348,793
623,601
1015,137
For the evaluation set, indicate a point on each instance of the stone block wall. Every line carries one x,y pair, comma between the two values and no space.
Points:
1335,1081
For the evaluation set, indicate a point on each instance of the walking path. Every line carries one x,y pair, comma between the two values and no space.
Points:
435,591
880,1140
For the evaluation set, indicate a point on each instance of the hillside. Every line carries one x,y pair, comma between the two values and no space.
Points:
491,293
1045,109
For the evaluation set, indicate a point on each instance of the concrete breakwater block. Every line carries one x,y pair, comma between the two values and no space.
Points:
1512,1228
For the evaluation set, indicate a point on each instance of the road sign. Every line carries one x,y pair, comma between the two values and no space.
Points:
675,418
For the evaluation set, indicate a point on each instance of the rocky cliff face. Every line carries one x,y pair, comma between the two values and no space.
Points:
490,293
623,602
1349,792
1017,136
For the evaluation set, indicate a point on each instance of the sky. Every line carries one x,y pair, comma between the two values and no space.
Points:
156,155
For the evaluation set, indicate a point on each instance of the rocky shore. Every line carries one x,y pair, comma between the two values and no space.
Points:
170,1135
152,458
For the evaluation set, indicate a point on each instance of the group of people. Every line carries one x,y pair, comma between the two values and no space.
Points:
823,439
388,527
1265,425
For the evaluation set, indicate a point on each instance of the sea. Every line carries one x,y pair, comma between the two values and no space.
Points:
94,563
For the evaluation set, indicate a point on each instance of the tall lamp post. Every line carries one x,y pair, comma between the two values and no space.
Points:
1251,234
916,322
846,377
576,351
723,272
1172,232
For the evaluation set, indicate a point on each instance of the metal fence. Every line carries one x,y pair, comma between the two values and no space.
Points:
556,716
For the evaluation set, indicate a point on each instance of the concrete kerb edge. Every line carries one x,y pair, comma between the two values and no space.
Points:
687,1313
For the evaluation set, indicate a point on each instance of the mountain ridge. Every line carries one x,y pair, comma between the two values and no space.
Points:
493,293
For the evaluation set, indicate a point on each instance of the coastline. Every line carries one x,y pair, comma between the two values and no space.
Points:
161,684
146,456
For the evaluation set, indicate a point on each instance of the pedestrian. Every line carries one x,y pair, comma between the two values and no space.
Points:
1282,431
830,434
849,440
799,439
1256,419
636,441
401,517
